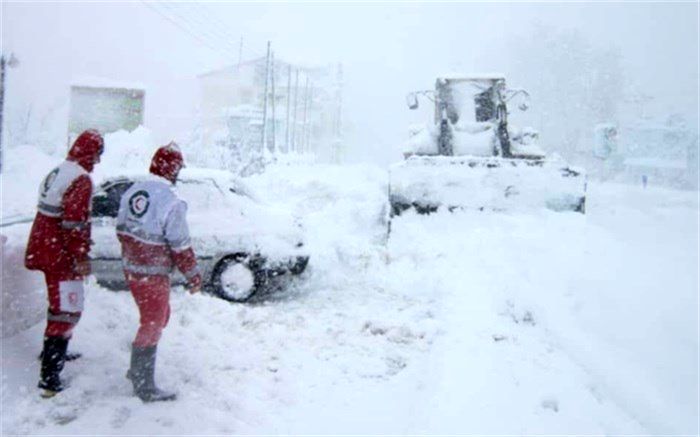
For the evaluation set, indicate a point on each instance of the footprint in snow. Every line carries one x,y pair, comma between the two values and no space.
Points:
121,415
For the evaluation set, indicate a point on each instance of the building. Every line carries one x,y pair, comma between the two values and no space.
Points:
302,112
662,153
105,105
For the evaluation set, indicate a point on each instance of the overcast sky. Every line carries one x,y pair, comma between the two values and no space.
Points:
386,49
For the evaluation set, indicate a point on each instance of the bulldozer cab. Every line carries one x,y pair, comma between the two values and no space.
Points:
477,98
469,105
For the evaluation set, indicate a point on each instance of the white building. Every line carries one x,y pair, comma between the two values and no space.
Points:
302,113
662,153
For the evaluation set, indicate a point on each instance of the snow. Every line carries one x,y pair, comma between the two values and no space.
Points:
19,187
472,323
103,82
130,151
422,140
475,76
468,139
22,298
237,281
473,143
671,164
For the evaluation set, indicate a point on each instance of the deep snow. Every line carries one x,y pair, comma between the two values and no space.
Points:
509,323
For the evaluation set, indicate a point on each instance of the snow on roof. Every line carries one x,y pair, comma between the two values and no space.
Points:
101,82
653,126
280,63
248,111
230,67
678,164
473,76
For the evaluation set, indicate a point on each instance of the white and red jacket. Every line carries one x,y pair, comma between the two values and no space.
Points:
153,231
60,235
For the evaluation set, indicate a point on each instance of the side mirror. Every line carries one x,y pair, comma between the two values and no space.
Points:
412,101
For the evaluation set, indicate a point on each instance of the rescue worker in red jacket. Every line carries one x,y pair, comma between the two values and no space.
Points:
58,246
152,228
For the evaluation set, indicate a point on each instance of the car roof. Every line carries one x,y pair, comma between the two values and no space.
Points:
223,178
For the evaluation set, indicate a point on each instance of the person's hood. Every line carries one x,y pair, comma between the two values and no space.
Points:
167,162
86,149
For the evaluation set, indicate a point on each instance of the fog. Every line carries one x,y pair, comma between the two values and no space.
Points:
387,50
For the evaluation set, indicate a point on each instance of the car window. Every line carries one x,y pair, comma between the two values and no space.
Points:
105,202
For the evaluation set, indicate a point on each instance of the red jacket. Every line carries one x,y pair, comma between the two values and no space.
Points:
60,235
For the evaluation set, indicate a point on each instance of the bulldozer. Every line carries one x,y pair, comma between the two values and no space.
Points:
469,158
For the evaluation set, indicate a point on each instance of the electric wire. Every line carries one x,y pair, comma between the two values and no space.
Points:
189,31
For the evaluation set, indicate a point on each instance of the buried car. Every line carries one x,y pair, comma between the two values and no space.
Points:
240,242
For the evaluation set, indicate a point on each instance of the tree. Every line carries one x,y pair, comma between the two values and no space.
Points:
574,85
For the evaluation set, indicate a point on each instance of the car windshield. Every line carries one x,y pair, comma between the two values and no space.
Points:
200,194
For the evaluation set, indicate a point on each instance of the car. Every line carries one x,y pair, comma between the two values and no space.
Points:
241,243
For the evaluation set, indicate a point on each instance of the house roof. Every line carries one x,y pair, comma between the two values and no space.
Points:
234,67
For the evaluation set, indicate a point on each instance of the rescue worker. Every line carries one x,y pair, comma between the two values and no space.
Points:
154,236
58,246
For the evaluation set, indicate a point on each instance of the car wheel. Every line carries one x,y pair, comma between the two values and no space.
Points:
236,278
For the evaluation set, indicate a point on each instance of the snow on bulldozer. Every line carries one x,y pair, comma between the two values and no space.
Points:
469,158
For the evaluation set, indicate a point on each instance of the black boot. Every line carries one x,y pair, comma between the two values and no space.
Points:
70,356
52,361
141,374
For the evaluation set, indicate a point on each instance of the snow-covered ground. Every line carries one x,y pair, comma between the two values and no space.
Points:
469,323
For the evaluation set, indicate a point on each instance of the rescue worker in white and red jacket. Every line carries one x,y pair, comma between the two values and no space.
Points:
58,246
152,228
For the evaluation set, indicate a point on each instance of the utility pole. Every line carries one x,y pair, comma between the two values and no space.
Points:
306,107
264,121
311,107
274,118
240,53
289,94
10,62
294,118
338,128
2,101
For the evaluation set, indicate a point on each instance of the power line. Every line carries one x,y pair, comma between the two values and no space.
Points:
213,25
216,38
199,28
194,20
222,28
185,29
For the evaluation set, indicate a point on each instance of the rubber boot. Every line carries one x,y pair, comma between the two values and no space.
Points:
70,356
141,374
52,360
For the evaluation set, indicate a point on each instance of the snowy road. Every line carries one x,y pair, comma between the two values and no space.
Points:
462,323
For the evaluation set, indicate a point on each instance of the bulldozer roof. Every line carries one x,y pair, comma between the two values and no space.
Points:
493,77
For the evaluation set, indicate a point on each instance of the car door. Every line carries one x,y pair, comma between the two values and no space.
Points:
105,252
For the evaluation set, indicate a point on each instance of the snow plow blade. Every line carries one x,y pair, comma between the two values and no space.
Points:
426,183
